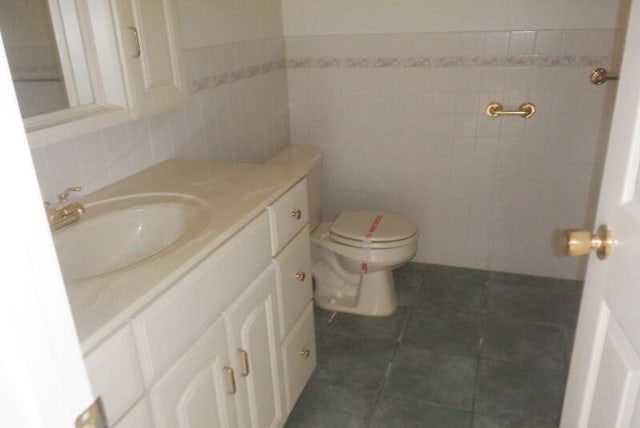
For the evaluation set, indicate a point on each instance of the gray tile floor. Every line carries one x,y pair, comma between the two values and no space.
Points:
466,348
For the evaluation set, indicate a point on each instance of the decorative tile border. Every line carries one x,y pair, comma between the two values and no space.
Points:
227,77
452,61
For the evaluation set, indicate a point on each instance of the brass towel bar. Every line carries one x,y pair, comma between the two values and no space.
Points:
525,111
600,75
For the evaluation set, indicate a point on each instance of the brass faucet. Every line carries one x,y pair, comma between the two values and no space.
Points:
63,214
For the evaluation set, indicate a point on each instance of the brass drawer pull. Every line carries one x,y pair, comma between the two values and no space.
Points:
300,276
305,353
137,39
229,371
297,214
245,362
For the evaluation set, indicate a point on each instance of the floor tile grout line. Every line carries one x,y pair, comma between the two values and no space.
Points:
484,316
381,388
483,323
390,364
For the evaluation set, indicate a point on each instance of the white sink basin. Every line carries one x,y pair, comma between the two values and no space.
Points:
122,233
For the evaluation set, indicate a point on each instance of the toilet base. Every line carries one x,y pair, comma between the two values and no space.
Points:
377,297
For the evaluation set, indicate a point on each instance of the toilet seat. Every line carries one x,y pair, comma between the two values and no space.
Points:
385,230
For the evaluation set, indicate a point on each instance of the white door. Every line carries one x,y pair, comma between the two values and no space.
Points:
254,345
604,378
43,381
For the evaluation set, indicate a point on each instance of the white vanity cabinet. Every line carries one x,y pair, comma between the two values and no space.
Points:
230,344
151,53
289,217
229,298
253,336
138,417
232,375
114,373
199,390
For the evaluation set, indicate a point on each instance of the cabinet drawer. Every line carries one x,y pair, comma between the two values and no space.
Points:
114,373
138,417
171,323
299,357
293,274
288,215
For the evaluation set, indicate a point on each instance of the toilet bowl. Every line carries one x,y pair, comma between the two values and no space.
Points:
353,258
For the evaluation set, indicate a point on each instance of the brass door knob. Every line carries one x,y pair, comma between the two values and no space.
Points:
305,353
581,242
300,276
297,214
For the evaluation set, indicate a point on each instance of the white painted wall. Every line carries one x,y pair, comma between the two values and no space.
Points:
315,17
219,22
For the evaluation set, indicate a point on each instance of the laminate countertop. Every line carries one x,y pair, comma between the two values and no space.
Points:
235,193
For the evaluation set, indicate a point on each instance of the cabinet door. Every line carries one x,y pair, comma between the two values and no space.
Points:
114,373
138,417
198,391
253,335
151,51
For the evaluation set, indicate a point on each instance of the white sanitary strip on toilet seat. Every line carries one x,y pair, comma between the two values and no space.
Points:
366,243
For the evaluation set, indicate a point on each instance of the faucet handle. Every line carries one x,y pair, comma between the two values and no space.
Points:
62,197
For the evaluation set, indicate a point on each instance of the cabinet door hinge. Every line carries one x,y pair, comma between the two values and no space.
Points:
93,416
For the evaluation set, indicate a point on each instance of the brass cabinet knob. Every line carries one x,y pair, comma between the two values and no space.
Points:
300,276
297,214
581,242
305,353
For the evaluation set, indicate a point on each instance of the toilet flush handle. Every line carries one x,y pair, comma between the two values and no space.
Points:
300,276
297,214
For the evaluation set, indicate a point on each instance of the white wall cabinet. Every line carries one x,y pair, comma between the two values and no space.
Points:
134,50
151,54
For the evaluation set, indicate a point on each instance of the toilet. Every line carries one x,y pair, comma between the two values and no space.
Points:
354,255
353,258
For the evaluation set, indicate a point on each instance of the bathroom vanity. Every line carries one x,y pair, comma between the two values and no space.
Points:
219,330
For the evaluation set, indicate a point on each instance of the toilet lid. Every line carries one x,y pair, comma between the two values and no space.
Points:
386,227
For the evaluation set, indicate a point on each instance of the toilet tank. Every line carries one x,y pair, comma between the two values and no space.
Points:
300,155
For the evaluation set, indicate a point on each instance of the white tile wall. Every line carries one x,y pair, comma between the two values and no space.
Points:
401,120
485,193
312,17
244,118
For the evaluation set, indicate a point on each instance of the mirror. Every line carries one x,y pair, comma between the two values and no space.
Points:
46,53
